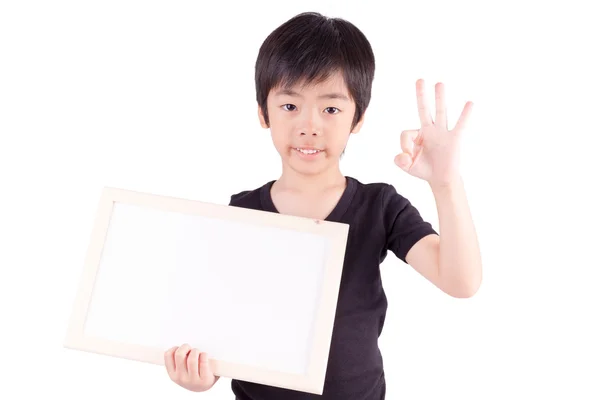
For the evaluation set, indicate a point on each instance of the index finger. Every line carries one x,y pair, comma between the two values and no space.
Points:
170,361
424,113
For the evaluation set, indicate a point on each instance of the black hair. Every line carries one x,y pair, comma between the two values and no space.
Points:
309,48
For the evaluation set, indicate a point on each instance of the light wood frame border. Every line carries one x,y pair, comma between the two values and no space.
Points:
336,233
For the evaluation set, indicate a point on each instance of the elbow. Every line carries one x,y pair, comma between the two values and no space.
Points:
465,288
464,293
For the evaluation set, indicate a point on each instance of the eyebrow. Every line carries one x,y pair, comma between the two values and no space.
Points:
290,92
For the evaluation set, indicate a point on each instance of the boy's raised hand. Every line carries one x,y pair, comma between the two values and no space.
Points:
189,368
432,152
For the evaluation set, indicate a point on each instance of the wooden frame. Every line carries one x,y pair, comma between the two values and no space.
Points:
310,380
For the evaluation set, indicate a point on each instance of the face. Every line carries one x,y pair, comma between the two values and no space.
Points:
310,126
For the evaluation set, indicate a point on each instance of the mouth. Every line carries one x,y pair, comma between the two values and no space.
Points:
309,151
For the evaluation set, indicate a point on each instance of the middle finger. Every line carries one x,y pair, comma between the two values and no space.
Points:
181,359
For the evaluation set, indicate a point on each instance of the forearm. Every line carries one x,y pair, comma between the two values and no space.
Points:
459,254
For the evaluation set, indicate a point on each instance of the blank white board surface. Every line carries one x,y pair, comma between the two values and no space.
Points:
256,290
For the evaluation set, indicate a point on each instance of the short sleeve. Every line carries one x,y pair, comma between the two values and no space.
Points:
403,223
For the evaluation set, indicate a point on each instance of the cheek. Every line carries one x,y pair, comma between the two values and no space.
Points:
340,138
280,139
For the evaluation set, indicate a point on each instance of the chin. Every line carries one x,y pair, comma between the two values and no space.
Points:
308,171
309,164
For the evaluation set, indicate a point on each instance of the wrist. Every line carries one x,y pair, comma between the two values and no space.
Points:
446,186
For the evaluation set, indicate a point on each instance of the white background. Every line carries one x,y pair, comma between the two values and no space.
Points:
159,97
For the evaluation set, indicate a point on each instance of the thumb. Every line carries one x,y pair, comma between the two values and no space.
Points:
404,161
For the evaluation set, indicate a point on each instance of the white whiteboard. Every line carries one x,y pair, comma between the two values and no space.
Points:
256,290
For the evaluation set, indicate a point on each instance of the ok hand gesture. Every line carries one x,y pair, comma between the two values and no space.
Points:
431,153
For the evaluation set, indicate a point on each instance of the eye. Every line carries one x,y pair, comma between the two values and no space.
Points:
329,110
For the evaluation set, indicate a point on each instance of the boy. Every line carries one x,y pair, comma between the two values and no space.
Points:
313,82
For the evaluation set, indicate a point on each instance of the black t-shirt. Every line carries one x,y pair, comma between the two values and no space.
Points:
379,220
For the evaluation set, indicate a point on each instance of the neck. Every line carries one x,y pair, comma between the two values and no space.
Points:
293,180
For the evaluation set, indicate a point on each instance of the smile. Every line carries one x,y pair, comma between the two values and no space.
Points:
307,151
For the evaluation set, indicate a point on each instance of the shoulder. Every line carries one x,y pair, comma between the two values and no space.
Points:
244,196
392,200
380,194
393,209
249,198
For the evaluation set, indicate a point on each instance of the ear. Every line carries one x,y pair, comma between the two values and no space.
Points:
359,124
261,118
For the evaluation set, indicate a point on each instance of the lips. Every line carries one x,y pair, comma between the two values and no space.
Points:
308,150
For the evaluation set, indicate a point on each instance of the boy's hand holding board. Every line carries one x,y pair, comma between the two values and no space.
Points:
189,368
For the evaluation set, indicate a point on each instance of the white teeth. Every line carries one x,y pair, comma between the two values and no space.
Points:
303,151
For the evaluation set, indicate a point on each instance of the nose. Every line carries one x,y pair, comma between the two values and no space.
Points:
311,123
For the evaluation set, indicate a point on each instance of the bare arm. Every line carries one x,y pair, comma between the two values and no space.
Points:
452,260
